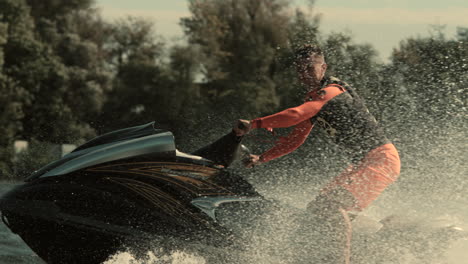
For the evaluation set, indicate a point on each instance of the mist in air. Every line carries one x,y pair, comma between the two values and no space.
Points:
68,75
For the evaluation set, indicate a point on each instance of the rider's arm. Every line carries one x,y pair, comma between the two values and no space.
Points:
288,117
289,143
299,116
296,115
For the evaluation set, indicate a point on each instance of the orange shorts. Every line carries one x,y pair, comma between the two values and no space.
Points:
367,179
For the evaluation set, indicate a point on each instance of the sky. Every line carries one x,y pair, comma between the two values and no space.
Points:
381,23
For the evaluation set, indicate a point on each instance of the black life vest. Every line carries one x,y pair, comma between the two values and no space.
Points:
348,122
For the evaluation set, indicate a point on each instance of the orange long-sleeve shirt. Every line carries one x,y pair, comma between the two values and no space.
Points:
299,117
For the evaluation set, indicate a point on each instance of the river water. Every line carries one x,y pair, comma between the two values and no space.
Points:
14,250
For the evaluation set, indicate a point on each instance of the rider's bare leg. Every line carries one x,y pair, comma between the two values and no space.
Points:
333,227
324,234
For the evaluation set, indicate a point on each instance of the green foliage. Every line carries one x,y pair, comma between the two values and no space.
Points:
12,94
135,55
10,120
61,74
56,8
239,42
432,74
358,65
36,156
3,40
304,29
133,39
52,79
186,98
462,34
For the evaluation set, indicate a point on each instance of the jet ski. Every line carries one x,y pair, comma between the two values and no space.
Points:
124,187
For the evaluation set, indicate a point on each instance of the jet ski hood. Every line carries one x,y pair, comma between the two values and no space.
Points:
144,140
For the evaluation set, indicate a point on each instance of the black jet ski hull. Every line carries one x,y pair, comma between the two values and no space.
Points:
113,206
62,243
122,188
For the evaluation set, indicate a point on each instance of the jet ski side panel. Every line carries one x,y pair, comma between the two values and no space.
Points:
57,243
162,190
121,135
158,145
67,213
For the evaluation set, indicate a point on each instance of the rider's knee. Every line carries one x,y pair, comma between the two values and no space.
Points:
334,200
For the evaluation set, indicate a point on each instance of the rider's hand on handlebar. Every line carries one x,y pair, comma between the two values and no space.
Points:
241,127
252,161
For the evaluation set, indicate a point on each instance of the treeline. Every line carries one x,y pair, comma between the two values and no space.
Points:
66,74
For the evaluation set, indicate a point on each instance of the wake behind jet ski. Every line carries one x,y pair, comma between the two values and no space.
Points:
124,187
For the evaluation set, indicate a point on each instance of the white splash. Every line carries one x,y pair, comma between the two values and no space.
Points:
156,257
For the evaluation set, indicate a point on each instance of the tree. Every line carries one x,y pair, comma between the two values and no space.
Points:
187,104
239,42
77,36
54,9
136,55
60,73
11,99
12,94
358,65
433,72
303,28
52,80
